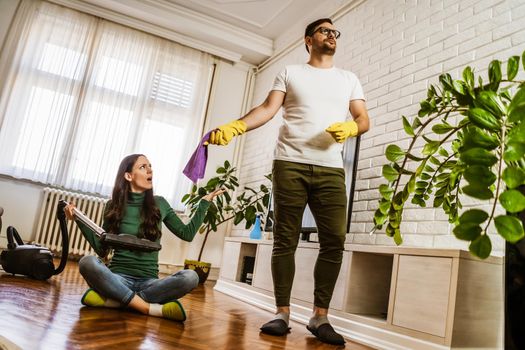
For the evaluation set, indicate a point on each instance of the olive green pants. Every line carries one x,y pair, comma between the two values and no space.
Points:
323,188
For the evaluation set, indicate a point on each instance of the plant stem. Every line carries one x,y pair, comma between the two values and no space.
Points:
500,166
208,230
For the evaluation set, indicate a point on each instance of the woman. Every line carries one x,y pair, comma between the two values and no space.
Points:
131,278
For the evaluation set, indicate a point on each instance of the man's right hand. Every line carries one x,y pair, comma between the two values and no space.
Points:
225,133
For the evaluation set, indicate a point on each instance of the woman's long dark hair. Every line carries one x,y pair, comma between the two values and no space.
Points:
150,213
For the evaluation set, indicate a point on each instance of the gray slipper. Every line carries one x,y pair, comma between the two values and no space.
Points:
275,327
327,334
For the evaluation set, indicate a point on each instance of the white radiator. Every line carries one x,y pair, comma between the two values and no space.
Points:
48,230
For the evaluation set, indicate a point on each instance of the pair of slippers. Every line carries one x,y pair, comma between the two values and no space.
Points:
324,332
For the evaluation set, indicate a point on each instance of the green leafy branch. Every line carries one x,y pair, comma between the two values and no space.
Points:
487,150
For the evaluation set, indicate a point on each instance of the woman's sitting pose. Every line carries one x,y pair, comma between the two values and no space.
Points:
131,277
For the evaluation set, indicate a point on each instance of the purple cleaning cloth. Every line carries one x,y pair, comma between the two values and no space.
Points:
196,166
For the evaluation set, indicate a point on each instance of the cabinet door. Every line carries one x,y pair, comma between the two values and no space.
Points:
422,293
230,260
262,274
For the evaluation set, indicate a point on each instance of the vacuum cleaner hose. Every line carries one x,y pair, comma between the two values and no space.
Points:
61,216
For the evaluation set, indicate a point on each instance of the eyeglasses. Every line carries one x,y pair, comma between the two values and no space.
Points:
327,31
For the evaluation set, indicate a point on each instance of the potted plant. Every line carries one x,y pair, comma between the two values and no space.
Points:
247,206
476,149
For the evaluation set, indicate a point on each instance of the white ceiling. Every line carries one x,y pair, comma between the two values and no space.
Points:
280,21
268,18
238,30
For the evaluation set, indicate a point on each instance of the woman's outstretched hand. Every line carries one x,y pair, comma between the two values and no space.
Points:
209,197
68,209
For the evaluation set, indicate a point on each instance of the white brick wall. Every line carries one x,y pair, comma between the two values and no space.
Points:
398,48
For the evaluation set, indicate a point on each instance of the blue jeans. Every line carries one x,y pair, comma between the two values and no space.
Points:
123,288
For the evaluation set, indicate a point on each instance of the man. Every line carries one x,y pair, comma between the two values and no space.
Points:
308,168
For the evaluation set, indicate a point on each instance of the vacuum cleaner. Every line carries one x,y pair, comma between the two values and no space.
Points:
36,261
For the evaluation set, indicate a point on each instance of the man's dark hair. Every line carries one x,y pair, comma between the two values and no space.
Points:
309,31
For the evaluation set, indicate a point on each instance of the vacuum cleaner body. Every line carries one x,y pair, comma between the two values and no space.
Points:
30,260
34,260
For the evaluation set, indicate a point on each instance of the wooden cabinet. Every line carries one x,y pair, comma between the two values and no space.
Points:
387,297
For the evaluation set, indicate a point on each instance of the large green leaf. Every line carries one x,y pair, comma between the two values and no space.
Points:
481,175
513,201
509,227
397,237
379,218
411,184
467,231
478,156
490,101
386,191
460,87
446,81
238,218
473,216
513,176
443,152
394,153
398,201
494,74
484,119
481,247
516,110
512,67
468,76
389,172
430,148
478,192
517,133
384,205
424,108
477,137
250,213
408,128
514,151
442,128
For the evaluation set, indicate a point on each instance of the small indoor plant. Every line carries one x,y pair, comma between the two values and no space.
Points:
246,206
478,136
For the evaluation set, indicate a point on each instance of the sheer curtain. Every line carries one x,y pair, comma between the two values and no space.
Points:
85,92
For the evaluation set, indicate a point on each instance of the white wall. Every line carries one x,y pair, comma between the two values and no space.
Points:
226,105
22,199
397,48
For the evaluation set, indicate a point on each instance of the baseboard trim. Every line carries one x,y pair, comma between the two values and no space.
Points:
353,330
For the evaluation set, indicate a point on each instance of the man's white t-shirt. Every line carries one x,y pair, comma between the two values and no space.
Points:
315,99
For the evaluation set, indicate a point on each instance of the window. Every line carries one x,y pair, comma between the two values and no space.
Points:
86,92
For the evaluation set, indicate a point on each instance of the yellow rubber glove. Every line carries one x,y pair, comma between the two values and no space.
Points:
225,133
341,131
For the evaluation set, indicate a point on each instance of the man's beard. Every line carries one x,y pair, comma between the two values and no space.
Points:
327,49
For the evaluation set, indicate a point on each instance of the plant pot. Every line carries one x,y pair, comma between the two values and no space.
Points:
202,268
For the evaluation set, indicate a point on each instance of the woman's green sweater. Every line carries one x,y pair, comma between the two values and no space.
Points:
144,264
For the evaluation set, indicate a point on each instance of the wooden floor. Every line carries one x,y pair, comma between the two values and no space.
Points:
48,315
